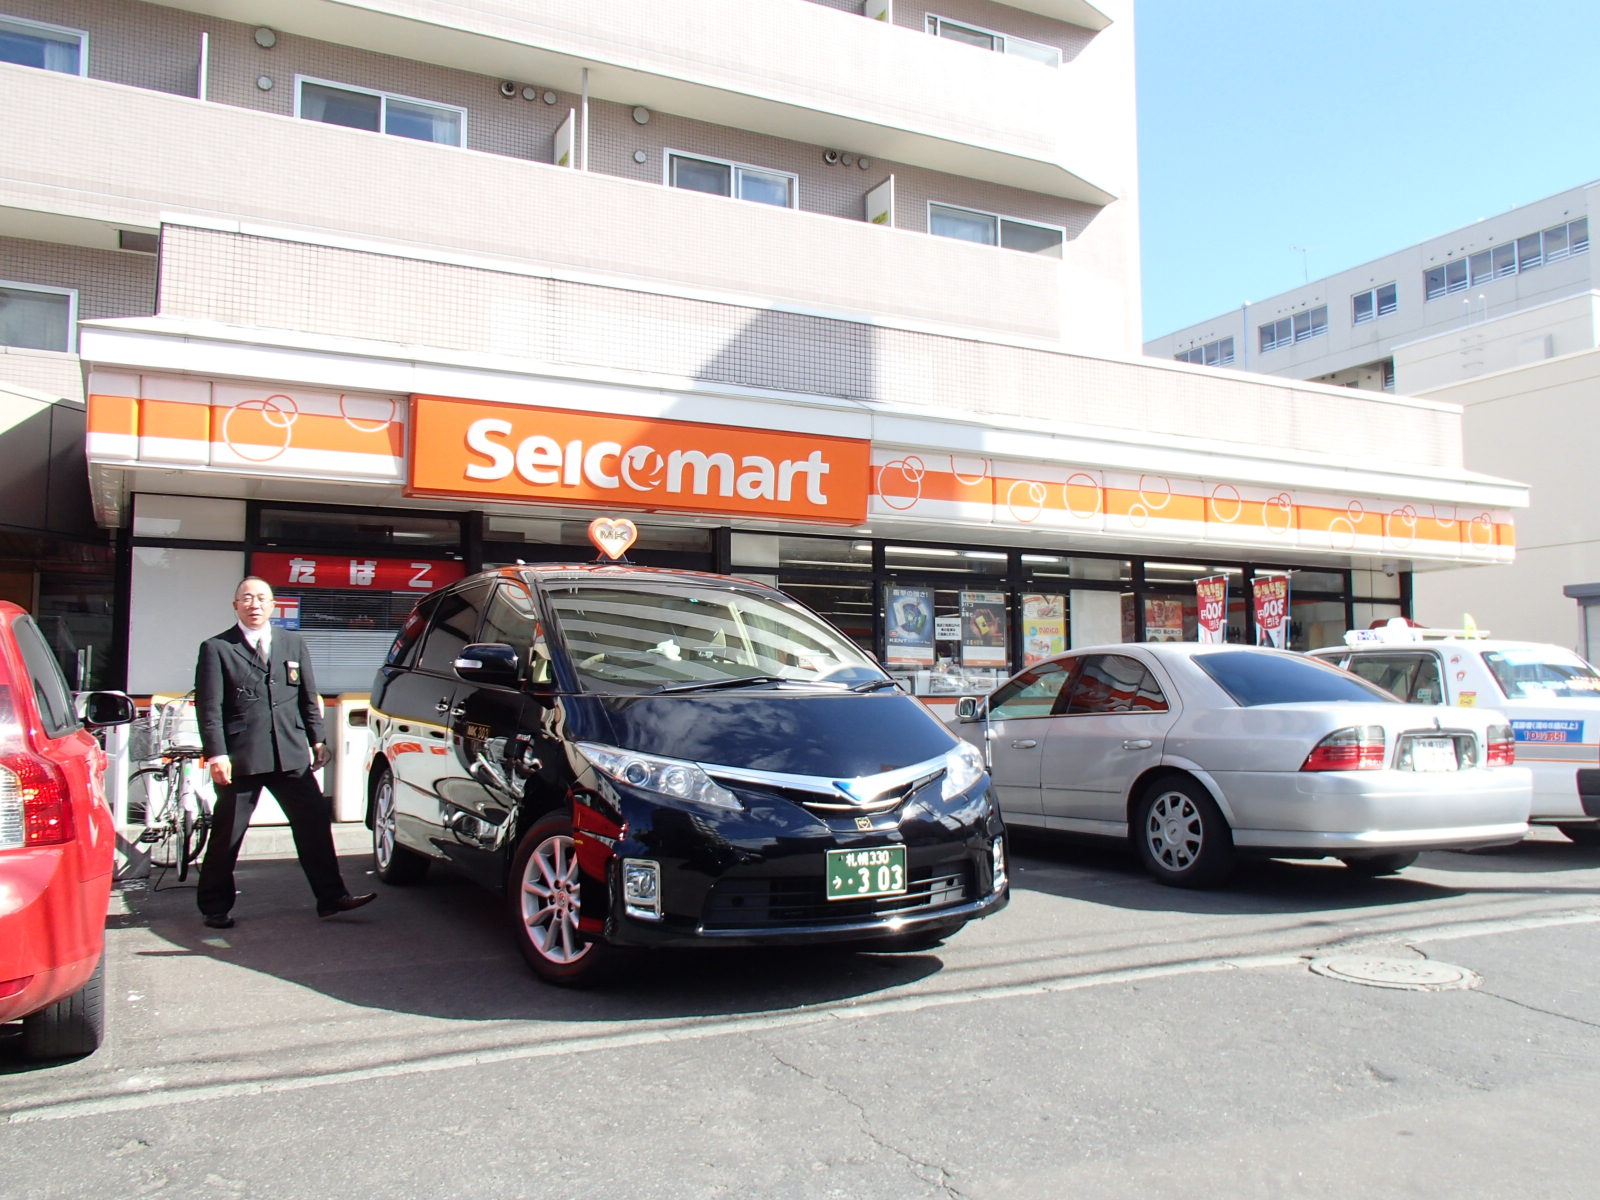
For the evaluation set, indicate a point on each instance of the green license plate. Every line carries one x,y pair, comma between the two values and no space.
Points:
879,871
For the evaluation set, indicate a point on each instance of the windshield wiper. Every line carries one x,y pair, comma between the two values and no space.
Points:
873,685
708,685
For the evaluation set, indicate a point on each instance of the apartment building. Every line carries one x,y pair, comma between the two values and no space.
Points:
841,295
1501,317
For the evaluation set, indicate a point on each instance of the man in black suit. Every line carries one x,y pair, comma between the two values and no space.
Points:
260,727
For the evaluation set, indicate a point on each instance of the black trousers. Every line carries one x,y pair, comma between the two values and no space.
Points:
310,816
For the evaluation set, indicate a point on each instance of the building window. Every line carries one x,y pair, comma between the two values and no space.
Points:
49,47
1508,258
1373,303
37,318
991,229
1386,374
1213,354
989,39
1301,326
379,112
718,178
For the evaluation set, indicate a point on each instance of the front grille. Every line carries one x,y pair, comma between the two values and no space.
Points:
790,901
826,796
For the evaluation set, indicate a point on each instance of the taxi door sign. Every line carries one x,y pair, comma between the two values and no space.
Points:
1552,731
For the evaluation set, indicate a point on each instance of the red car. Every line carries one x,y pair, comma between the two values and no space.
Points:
58,843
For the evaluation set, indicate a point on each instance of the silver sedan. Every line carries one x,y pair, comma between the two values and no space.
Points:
1199,753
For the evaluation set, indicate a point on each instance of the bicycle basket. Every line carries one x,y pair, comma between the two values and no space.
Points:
179,726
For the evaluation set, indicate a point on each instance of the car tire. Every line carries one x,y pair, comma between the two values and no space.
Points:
1586,833
544,896
73,1026
1379,864
1180,835
392,862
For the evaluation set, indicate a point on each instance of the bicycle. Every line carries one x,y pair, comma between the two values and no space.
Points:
176,809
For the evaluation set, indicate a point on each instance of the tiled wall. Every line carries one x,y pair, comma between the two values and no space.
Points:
109,283
292,285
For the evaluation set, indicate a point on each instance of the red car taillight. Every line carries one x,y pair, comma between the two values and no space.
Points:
1502,746
35,809
1359,748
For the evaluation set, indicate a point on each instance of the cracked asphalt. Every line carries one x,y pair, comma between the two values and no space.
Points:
1102,1037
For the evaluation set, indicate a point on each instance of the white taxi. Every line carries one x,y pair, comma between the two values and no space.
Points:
1551,695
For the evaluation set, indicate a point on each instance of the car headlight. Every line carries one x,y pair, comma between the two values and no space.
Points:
963,767
667,776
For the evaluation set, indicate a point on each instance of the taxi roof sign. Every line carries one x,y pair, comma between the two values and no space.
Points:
1399,630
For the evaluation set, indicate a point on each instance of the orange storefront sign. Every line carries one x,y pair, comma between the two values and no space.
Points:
554,456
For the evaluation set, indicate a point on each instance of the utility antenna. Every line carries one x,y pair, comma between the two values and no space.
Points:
1305,269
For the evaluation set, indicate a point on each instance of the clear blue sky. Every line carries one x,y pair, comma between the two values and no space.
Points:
1349,128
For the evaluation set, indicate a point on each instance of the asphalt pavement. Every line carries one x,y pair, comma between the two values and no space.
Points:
1102,1037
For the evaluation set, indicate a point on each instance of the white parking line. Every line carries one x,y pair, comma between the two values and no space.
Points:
666,1033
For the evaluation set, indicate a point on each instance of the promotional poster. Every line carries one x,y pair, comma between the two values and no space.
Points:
983,629
910,627
1044,627
1163,620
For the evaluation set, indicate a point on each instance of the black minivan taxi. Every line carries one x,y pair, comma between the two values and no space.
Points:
640,757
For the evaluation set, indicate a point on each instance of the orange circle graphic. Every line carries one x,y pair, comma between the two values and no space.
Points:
1235,499
1091,485
911,470
356,422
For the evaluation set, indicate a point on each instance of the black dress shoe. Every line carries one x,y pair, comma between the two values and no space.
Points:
344,903
219,921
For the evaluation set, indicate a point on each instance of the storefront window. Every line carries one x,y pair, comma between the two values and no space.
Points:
69,589
368,528
566,539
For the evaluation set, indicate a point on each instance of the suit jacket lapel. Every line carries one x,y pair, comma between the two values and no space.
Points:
242,648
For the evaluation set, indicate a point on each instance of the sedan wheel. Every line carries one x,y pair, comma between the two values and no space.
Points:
545,907
1180,835
395,864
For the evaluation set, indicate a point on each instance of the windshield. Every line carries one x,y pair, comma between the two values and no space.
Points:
680,635
1252,678
1542,673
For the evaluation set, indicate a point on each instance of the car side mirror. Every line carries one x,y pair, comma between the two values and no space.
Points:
97,710
967,708
488,662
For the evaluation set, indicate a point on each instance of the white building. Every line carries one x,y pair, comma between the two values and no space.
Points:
1503,318
842,295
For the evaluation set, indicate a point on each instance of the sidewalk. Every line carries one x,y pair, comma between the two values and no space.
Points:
261,841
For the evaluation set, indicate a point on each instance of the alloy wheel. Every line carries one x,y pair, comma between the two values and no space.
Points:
1174,831
550,890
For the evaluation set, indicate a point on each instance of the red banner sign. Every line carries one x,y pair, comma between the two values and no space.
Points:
354,572
1272,610
1212,596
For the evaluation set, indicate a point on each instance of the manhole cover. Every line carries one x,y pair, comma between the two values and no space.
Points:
1412,975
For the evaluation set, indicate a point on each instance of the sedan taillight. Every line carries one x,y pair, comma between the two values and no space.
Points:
1359,748
1502,746
35,809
